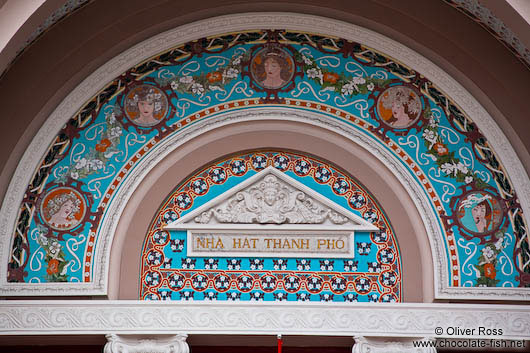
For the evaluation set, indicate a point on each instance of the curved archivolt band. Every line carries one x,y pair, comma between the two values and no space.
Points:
472,200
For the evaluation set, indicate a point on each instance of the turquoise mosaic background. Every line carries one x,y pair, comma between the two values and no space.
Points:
373,274
59,218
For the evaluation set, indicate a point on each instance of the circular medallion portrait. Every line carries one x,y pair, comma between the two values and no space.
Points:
399,106
272,68
480,212
146,105
63,208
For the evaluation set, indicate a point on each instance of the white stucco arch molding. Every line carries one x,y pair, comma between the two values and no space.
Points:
166,40
414,189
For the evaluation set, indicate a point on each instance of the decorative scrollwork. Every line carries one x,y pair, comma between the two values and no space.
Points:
271,201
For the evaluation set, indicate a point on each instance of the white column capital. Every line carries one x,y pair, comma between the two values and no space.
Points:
140,344
392,345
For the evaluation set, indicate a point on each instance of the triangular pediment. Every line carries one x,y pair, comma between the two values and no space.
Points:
271,199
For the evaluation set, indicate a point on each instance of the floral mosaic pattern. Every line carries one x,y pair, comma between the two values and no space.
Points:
98,155
167,273
399,108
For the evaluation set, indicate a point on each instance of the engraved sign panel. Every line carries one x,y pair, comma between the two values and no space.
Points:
271,243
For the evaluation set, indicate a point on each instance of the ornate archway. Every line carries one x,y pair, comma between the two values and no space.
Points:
109,139
315,72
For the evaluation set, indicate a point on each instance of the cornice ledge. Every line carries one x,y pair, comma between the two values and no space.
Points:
337,319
